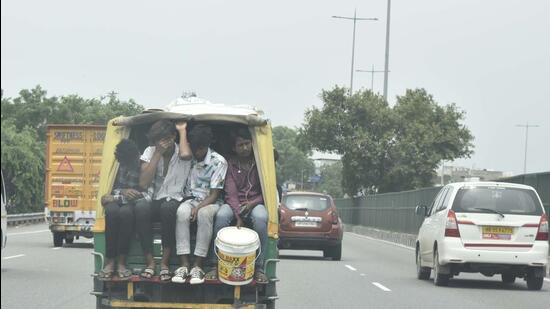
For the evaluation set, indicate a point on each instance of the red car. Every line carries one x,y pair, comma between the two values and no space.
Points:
309,221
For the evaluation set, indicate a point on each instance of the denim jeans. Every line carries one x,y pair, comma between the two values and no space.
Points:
257,219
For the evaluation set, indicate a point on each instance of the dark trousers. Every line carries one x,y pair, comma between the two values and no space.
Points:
119,226
148,212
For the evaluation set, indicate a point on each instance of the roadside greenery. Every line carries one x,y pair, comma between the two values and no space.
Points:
24,120
386,148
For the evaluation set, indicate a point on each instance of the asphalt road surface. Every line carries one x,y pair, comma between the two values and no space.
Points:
372,274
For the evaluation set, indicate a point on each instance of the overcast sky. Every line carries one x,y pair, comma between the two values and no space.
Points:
491,58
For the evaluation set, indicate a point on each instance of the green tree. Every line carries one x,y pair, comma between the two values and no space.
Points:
293,164
331,180
383,148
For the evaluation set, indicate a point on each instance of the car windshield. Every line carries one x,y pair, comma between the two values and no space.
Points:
306,202
497,200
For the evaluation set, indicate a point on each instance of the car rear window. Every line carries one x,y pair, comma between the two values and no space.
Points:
504,200
309,202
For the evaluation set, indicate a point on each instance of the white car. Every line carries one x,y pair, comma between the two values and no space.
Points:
484,227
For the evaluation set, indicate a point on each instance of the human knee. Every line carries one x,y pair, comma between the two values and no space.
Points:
183,213
224,215
112,210
205,215
142,208
259,213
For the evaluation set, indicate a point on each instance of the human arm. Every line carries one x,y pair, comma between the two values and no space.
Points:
184,149
150,159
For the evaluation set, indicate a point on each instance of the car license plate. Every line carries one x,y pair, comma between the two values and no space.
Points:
306,224
497,232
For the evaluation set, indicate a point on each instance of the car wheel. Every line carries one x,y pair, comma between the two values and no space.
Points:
58,239
422,273
534,283
439,278
336,252
69,239
508,278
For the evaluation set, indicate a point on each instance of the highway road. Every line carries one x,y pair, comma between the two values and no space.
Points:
372,274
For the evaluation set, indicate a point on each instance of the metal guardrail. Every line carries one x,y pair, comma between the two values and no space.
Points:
26,218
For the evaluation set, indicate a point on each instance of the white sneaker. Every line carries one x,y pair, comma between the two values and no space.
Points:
197,276
180,275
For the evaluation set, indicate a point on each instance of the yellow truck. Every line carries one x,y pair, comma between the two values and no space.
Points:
73,162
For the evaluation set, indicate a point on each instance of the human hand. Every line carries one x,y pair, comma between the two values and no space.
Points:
163,145
131,194
181,126
106,199
194,212
240,222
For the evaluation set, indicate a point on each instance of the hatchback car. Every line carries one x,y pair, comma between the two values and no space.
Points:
484,227
309,221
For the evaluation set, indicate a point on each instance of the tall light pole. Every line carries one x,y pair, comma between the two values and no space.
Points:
355,19
387,53
526,126
372,71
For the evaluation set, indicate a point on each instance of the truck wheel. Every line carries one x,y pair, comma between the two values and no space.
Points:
58,239
69,239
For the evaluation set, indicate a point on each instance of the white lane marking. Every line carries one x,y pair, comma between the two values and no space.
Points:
546,279
382,241
351,267
381,287
26,233
13,257
56,248
362,275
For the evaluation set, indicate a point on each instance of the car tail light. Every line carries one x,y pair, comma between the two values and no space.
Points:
451,226
542,234
334,215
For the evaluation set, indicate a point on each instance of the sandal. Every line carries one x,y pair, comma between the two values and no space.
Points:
124,274
165,275
260,277
180,275
212,274
105,275
147,273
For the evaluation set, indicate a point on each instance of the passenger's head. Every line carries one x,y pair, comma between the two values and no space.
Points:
160,130
200,137
242,142
127,153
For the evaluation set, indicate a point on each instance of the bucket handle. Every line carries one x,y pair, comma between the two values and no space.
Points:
226,263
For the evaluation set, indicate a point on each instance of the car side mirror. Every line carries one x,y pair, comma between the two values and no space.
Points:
421,210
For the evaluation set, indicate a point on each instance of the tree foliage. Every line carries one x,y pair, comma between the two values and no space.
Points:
331,180
24,121
386,148
293,165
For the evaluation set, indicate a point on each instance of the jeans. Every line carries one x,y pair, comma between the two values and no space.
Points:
205,224
119,225
257,218
147,212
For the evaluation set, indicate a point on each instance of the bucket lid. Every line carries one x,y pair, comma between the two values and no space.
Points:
238,236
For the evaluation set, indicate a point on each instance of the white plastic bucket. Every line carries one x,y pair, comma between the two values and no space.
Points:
236,252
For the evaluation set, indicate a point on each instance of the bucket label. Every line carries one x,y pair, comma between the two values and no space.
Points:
236,268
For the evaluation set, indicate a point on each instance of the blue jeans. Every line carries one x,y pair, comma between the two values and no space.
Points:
257,218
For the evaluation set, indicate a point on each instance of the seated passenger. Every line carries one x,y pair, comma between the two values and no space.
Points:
243,197
164,171
119,211
205,185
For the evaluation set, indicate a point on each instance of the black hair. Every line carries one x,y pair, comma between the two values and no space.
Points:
125,151
161,129
200,136
241,132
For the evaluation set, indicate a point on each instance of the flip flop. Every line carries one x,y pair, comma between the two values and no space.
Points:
165,275
105,275
260,277
147,273
124,275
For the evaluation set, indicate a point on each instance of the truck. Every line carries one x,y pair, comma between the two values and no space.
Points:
138,292
73,161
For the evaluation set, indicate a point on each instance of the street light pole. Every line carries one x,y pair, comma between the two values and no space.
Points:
355,19
526,126
372,71
387,53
